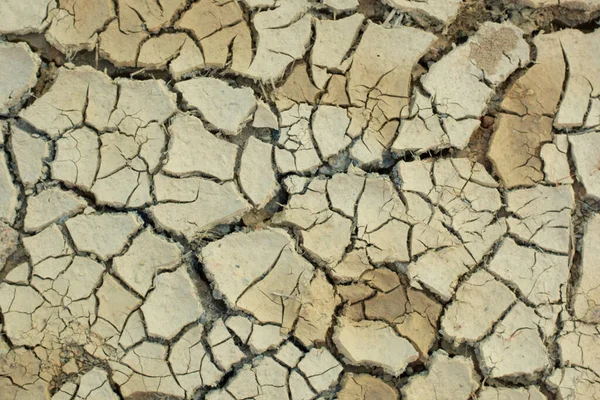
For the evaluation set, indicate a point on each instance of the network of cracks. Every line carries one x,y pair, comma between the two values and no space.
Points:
292,199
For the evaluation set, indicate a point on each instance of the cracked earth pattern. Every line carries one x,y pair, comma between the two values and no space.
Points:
299,199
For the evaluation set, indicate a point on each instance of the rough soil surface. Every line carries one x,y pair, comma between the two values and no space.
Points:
299,199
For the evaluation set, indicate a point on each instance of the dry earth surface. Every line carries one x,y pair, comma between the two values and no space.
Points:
300,199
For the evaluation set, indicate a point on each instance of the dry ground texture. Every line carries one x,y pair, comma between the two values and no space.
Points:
300,199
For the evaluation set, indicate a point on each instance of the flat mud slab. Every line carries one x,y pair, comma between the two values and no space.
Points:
299,199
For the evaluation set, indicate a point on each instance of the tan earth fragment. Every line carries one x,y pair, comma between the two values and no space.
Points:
95,385
585,150
30,153
20,375
515,348
126,160
593,117
9,193
538,91
19,67
115,302
574,383
372,62
66,391
556,163
441,12
193,149
223,106
300,386
481,297
49,206
259,3
578,344
49,243
320,368
103,234
582,80
423,130
189,61
148,255
225,352
283,36
296,151
158,51
382,279
120,48
447,378
245,281
177,50
455,78
332,43
295,184
373,344
317,311
541,277
329,125
75,24
77,92
379,203
241,326
515,148
533,3
140,103
587,5
192,206
171,286
505,393
361,386
20,17
459,179
351,268
456,83
191,363
586,305
297,88
77,157
542,216
289,354
222,32
265,377
326,241
343,191
134,331
379,79
412,313
140,15
341,5
264,116
148,371
18,275
256,175
336,94
265,337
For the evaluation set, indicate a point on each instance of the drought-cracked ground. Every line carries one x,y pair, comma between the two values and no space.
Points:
299,199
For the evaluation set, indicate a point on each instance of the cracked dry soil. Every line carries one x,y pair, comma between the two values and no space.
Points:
299,199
